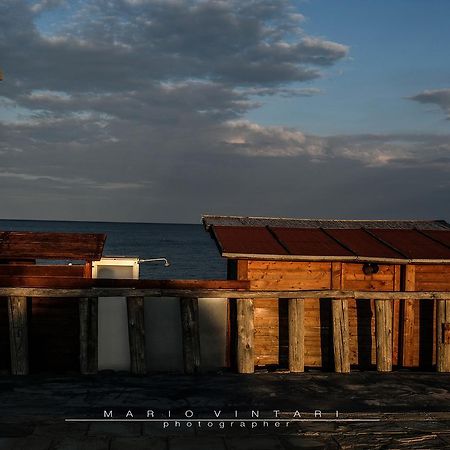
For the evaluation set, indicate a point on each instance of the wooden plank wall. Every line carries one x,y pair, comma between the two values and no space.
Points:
411,348
53,331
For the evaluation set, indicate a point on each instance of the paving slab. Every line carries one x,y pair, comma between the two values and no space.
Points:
138,444
194,443
82,443
26,443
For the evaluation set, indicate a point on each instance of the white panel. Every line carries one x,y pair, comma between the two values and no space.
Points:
163,334
213,330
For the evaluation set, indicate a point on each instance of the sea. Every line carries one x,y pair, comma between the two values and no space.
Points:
191,251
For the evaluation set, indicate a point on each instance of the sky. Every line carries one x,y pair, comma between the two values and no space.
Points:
164,110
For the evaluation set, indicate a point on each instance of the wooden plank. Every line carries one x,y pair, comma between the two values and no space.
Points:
18,335
76,270
409,338
64,282
443,336
136,335
245,336
191,334
43,245
296,335
383,334
88,310
339,313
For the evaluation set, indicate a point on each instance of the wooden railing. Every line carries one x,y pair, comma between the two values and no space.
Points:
189,291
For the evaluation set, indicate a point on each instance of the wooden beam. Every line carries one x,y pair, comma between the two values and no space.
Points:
296,312
443,336
245,336
191,334
88,308
383,334
136,335
339,313
18,335
62,293
409,307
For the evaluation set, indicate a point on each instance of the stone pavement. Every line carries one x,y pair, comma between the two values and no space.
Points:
398,410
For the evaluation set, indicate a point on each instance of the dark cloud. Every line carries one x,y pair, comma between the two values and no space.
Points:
135,110
439,97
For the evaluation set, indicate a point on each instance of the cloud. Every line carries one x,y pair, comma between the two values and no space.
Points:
439,97
136,110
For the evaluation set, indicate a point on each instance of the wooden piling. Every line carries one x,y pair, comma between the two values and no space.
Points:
409,340
296,312
191,334
443,336
383,334
245,336
136,335
341,333
18,335
341,338
88,308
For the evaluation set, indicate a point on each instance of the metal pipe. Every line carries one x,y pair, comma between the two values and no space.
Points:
166,261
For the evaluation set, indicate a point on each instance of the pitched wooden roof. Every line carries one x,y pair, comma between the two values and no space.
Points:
398,241
16,245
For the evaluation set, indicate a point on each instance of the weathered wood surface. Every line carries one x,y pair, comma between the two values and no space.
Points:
26,244
219,293
383,335
443,336
18,335
88,308
296,332
136,335
410,339
22,270
72,282
339,314
245,336
190,334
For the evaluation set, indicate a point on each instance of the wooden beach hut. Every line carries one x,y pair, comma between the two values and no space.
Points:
53,325
277,254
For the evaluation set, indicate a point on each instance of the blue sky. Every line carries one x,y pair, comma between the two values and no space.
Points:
397,48
152,110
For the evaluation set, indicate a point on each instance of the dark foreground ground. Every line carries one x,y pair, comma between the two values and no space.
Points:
400,410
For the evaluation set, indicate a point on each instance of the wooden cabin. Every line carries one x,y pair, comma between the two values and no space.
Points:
360,255
53,324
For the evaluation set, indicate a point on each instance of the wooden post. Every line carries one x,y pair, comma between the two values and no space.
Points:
136,335
191,334
245,335
18,335
383,334
88,308
296,314
443,336
341,344
409,307
341,334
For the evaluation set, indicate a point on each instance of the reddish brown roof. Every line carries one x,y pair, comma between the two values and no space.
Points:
299,239
18,245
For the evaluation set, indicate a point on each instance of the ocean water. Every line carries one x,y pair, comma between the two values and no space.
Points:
189,248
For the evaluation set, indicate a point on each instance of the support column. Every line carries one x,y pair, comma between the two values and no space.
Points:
443,336
191,334
383,334
136,335
245,336
88,308
18,335
296,314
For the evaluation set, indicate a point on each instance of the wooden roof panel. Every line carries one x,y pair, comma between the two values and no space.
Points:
257,240
314,242
18,245
413,244
363,244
